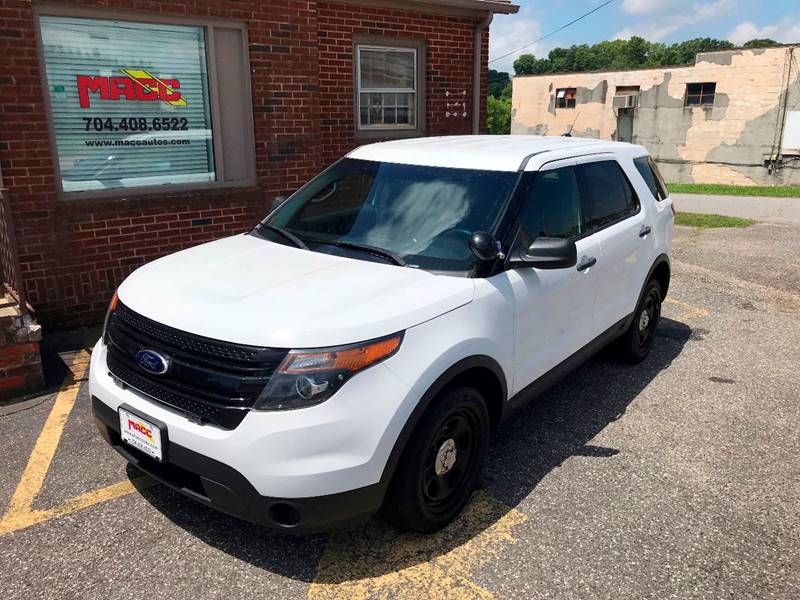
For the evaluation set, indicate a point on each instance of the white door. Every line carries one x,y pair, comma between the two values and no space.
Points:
614,215
553,309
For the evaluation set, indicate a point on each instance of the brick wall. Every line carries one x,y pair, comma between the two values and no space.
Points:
449,58
74,253
20,362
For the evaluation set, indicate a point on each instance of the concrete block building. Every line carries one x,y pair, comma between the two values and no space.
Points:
732,117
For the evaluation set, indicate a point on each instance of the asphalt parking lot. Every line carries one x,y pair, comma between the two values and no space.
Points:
677,478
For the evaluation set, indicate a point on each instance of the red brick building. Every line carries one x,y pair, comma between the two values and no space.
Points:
134,128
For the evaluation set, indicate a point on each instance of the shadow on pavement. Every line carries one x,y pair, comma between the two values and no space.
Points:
553,428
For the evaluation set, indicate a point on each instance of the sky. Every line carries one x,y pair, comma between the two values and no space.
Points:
655,20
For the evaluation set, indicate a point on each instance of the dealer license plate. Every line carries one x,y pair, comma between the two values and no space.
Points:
140,433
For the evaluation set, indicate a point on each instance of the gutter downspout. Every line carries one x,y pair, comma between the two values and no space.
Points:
476,72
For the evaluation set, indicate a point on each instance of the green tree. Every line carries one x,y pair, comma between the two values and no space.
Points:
528,64
525,65
661,55
761,43
498,116
633,53
685,52
498,80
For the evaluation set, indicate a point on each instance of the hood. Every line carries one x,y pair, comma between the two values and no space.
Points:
250,291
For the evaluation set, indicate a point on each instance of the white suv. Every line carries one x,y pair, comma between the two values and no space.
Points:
355,350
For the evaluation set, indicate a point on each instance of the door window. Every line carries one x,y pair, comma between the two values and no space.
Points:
606,195
552,208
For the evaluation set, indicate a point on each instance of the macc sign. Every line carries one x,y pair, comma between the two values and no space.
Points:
137,85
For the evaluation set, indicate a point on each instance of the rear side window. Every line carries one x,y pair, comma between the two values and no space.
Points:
651,176
552,208
606,194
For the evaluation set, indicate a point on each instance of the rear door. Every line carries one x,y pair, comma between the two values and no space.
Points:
613,215
553,309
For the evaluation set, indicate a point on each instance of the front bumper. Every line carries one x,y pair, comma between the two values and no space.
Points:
327,462
223,488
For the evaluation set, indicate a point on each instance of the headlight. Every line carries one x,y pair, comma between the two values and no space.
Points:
111,307
309,377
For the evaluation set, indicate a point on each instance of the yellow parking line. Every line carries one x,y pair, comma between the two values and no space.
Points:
43,451
29,517
377,561
689,311
20,513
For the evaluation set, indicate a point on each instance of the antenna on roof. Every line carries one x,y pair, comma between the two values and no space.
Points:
569,131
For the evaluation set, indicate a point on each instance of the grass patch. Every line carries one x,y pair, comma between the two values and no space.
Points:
775,191
702,221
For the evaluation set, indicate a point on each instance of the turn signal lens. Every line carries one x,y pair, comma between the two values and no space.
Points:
309,377
112,306
347,359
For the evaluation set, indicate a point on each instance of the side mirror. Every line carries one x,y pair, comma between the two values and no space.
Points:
277,201
484,245
547,253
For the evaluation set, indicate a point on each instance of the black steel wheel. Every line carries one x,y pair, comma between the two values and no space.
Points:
448,460
635,344
441,464
647,318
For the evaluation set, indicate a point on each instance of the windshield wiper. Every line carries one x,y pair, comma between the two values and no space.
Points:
380,252
285,234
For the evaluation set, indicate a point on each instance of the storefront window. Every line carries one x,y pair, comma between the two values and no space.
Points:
129,101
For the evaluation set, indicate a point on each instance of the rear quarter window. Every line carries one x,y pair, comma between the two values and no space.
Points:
649,172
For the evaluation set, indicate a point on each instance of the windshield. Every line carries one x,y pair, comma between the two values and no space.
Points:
423,215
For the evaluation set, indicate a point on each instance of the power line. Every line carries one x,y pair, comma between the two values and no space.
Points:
562,28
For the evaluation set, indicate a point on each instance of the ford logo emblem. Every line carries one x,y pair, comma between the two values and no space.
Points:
152,362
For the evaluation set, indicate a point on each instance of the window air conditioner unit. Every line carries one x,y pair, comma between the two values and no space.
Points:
625,101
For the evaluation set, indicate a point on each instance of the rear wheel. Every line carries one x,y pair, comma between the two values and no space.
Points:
636,342
441,464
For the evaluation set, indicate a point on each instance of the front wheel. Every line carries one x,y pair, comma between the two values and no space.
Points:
636,342
441,464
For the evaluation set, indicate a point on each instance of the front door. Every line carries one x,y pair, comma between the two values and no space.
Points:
625,125
553,309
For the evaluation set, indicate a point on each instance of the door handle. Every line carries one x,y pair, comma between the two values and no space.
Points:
645,230
588,261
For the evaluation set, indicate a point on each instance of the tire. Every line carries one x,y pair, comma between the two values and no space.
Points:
634,345
441,464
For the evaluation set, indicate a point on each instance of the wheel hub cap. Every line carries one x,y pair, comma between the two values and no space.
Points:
445,457
644,320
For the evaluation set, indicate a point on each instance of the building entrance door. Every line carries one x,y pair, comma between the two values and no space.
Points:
625,125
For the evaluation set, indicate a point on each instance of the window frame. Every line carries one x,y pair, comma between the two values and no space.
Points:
574,90
208,25
509,226
701,95
527,192
376,42
606,158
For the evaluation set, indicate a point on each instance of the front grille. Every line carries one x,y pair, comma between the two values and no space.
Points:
210,380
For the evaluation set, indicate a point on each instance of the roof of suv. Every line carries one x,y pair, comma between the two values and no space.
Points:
485,152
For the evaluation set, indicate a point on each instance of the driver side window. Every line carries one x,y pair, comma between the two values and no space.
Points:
552,208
